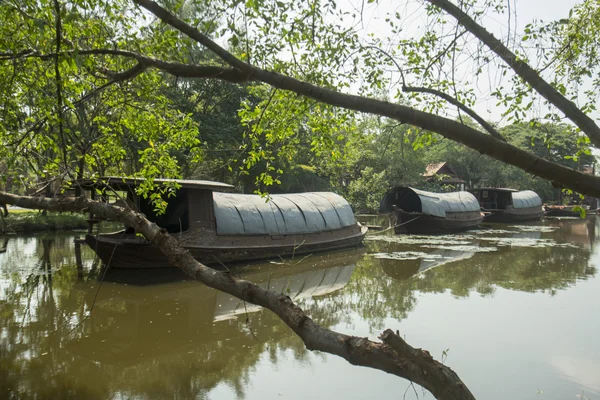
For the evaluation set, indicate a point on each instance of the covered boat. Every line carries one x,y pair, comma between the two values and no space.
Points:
509,205
423,212
220,228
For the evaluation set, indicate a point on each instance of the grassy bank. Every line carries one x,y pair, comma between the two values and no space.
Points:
35,222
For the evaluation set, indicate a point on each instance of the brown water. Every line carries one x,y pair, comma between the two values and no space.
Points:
514,310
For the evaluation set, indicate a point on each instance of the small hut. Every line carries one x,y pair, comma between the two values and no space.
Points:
447,174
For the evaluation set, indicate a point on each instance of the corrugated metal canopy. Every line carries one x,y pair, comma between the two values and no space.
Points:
246,214
526,199
437,204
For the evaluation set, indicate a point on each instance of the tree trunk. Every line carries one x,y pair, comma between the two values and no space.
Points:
393,356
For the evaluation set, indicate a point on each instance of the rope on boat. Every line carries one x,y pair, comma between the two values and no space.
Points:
395,226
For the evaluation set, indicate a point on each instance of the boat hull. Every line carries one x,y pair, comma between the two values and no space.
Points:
125,251
425,224
566,211
509,216
562,213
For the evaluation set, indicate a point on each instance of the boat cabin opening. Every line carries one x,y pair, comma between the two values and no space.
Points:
494,199
403,198
190,206
507,199
175,218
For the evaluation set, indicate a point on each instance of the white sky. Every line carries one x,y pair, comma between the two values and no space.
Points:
413,20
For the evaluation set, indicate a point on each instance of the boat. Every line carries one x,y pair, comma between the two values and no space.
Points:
219,228
566,211
421,212
509,205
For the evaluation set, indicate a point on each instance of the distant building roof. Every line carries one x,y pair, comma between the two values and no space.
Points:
433,168
442,168
497,189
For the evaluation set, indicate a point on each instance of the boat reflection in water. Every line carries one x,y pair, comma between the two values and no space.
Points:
407,268
146,320
447,250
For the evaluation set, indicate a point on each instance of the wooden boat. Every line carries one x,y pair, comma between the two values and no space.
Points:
566,211
509,205
220,228
421,212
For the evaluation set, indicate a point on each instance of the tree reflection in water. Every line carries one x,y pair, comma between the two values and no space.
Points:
179,339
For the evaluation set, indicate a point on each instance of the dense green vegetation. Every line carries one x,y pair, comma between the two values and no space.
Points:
36,222
91,110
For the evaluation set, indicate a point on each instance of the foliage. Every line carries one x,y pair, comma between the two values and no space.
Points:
70,115
97,108
36,222
366,192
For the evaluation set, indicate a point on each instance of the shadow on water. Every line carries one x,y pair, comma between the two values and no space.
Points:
155,334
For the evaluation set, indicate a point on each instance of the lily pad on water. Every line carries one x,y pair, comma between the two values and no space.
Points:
421,240
465,248
491,231
535,228
408,255
526,242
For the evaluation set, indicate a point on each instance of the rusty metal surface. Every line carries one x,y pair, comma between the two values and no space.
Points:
438,204
283,214
526,199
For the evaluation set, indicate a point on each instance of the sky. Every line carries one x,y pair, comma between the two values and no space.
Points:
412,21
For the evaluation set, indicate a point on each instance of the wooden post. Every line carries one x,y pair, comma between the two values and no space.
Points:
78,260
91,216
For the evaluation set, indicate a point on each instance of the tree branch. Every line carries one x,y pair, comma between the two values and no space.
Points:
452,100
521,68
59,102
423,359
358,351
173,68
486,125
486,144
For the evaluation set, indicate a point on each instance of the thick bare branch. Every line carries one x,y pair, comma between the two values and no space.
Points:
456,389
358,351
521,68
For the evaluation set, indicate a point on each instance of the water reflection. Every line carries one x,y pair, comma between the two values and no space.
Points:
157,335
143,338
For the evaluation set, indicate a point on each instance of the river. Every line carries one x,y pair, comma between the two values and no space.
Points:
514,310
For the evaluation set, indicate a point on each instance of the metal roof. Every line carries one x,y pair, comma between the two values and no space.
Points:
247,214
491,189
526,199
439,204
122,183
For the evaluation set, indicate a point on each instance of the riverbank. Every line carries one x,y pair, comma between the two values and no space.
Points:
34,221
